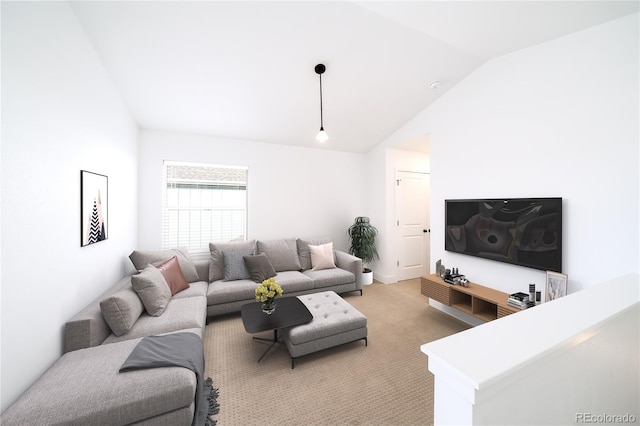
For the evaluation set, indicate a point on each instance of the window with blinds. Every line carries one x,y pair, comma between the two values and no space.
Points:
203,203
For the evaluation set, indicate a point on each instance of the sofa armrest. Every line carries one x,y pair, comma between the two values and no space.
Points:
85,330
88,327
350,263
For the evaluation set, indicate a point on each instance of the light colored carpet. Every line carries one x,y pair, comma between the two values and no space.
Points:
384,383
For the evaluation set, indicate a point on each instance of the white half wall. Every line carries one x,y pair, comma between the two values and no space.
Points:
557,119
60,114
293,192
563,372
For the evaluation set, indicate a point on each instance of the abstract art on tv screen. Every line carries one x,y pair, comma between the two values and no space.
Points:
94,199
521,231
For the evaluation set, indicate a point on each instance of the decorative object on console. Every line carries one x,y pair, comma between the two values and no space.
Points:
362,236
266,294
454,277
322,135
93,207
556,285
532,292
443,271
521,231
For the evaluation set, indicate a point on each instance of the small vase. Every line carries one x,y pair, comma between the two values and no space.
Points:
269,306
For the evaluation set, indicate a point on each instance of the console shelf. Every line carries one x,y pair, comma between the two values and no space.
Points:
476,300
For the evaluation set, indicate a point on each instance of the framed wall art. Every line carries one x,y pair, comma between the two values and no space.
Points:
94,202
556,285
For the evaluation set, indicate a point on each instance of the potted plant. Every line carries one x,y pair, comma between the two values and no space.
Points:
362,235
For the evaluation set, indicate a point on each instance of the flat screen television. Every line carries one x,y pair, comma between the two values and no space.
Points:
520,231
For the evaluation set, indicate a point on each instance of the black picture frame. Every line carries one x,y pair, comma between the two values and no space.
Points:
94,208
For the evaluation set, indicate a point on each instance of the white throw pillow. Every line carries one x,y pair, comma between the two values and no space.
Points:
322,257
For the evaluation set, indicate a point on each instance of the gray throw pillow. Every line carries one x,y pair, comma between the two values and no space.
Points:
234,267
259,267
121,310
142,258
283,254
153,290
305,254
216,264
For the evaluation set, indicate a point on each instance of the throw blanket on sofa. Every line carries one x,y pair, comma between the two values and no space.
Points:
178,350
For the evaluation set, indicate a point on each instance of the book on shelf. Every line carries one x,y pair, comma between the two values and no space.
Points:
517,305
519,296
518,302
519,299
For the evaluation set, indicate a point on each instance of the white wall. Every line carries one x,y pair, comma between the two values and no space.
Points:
60,114
293,192
383,163
557,119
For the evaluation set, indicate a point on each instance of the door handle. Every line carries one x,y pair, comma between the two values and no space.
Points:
426,231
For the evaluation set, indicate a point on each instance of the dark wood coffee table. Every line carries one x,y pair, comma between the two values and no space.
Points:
290,311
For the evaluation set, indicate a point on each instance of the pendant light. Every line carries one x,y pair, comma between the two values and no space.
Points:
322,135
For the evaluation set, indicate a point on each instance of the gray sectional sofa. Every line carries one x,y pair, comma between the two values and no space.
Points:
291,260
85,386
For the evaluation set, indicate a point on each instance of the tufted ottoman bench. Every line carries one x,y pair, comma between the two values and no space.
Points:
334,323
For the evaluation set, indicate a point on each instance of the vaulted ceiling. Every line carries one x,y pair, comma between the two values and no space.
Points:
245,70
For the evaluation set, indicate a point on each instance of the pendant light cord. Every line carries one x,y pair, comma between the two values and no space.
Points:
321,119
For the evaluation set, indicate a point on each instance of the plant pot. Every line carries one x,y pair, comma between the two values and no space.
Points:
367,276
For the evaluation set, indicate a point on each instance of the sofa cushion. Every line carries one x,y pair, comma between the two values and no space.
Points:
216,263
221,292
259,267
141,259
330,277
234,266
322,257
173,275
293,281
283,254
181,314
303,250
121,310
152,289
198,288
84,387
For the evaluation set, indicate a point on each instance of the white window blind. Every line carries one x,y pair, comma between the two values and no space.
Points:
203,203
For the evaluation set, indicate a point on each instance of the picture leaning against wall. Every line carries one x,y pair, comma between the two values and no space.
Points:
94,200
556,285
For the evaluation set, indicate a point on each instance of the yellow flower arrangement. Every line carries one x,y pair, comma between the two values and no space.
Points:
268,290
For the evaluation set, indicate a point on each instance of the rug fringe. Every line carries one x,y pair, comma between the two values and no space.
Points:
212,398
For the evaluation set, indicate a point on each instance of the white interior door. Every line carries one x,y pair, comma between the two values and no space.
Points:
412,220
